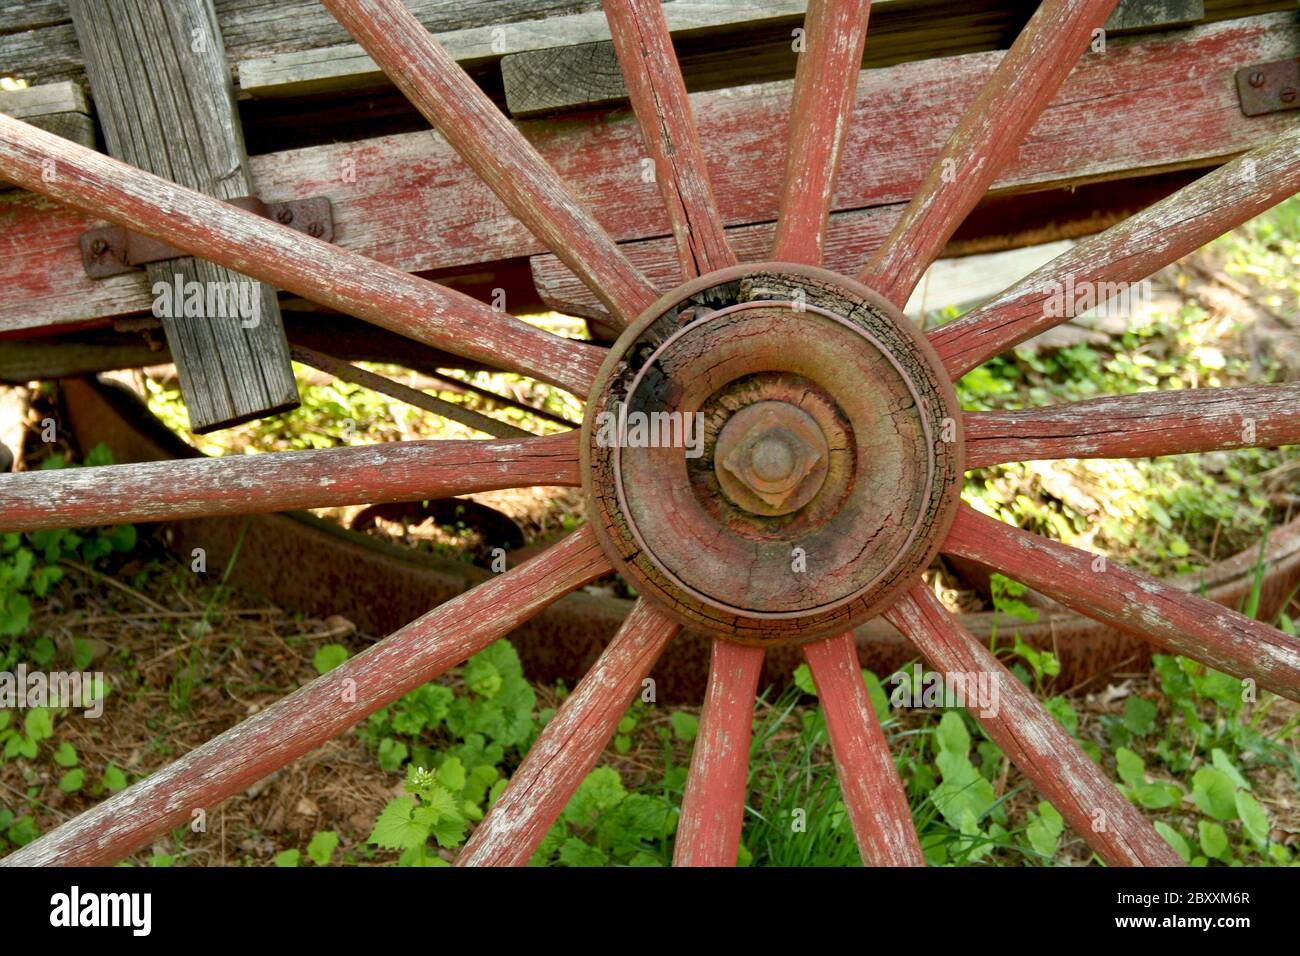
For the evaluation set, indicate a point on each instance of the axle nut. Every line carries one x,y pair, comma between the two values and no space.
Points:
771,458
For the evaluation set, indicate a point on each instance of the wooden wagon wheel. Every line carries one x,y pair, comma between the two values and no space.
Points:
831,439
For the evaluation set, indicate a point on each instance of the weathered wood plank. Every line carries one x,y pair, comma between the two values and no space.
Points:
570,744
314,713
1132,602
271,252
1032,738
1174,422
1132,15
163,96
713,806
1152,102
59,108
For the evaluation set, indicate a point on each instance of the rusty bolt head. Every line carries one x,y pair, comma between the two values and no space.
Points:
98,247
1256,79
284,216
1287,95
771,458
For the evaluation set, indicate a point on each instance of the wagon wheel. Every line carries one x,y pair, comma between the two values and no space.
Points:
831,459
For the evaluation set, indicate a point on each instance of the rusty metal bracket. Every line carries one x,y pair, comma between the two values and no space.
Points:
1269,87
112,250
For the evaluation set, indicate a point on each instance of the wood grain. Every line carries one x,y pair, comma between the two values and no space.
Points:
1145,425
1125,253
986,139
869,781
314,713
663,111
1094,586
278,255
820,111
713,806
164,100
1033,740
510,165
281,481
570,744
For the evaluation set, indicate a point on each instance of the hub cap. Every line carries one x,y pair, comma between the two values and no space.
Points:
772,453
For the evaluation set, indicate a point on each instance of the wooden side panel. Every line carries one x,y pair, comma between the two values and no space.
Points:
164,100
1138,426
1105,264
985,140
313,714
570,744
873,792
1105,591
713,808
645,51
281,481
1033,740
495,149
1156,101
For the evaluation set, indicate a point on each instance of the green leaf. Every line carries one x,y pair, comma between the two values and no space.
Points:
876,692
951,734
71,781
322,847
162,860
1130,766
482,676
1223,762
1253,819
1175,840
1045,829
392,754
395,829
38,724
573,852
1215,793
1157,796
452,774
1139,716
600,791
113,779
685,725
287,858
328,657
66,755
1214,841
803,679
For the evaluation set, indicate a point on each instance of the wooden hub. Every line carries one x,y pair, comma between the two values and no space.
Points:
772,453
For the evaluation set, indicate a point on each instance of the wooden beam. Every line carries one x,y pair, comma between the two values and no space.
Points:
1152,103
59,108
162,89
1132,16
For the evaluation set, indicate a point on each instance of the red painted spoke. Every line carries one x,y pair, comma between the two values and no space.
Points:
1033,740
820,111
1132,602
570,744
275,254
987,137
869,780
1174,422
713,809
281,481
320,710
489,143
1102,265
663,111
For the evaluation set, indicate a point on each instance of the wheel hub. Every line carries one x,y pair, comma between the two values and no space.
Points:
772,453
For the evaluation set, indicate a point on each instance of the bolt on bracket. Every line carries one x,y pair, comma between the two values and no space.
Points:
113,250
1269,87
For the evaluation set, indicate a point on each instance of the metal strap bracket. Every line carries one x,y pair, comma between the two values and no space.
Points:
113,250
1269,87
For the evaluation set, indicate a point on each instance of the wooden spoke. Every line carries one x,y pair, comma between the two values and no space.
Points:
1173,422
281,481
570,744
1032,738
663,112
713,808
987,137
489,143
326,707
1102,266
869,780
348,372
1105,591
276,254
820,111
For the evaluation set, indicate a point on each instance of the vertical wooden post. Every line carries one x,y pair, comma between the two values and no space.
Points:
163,94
